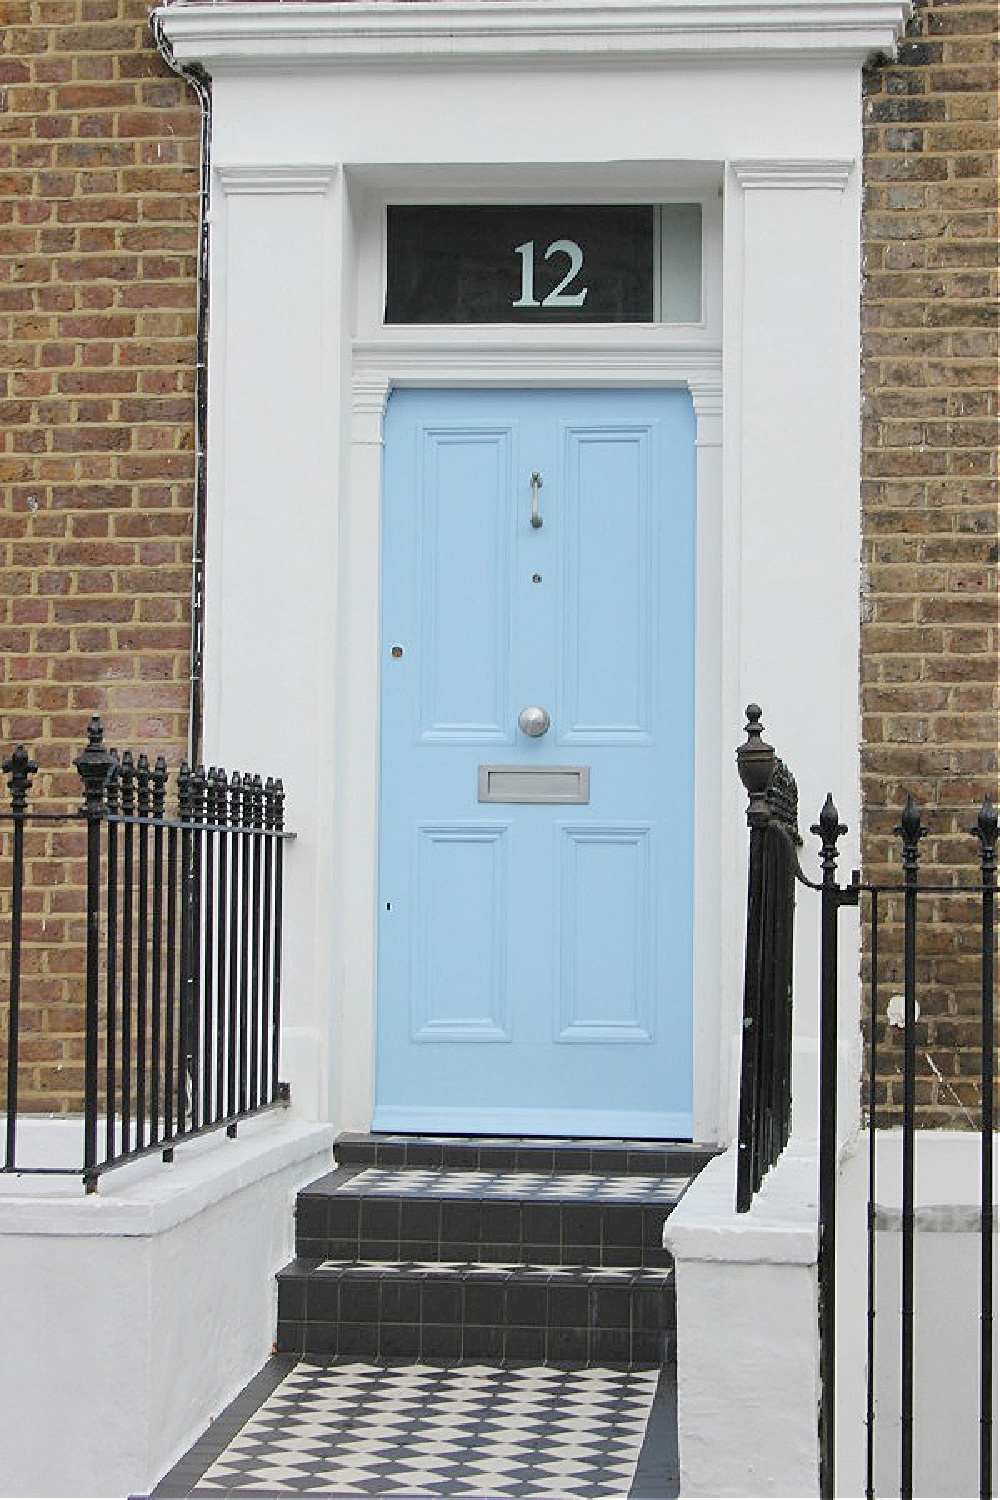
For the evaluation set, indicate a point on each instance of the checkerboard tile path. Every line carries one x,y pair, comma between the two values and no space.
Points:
584,1187
425,1430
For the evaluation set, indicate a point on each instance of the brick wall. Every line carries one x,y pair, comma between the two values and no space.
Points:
930,381
99,147
98,208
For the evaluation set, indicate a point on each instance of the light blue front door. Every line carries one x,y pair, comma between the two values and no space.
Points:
535,889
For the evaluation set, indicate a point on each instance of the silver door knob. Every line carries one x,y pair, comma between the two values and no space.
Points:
533,722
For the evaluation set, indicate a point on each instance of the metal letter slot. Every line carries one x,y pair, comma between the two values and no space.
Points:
534,783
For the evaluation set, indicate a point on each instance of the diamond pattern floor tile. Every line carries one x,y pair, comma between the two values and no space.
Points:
423,1430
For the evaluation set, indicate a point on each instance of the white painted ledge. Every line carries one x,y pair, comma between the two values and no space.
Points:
780,1227
455,31
747,1332
150,1196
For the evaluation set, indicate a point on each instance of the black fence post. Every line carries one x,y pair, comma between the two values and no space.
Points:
829,828
19,769
986,831
910,832
755,761
93,766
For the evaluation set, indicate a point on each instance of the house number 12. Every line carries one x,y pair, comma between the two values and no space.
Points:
559,296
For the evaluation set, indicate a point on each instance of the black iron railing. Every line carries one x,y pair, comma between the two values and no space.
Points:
766,1067
947,902
180,963
892,949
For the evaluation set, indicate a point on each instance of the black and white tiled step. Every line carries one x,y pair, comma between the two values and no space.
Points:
501,1314
499,1250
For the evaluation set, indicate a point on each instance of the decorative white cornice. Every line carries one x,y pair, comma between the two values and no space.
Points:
381,364
268,180
252,33
830,176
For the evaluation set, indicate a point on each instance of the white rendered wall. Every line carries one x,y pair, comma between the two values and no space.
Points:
947,1268
307,146
747,1341
132,1317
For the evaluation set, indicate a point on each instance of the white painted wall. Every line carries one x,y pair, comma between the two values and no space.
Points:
132,1317
322,114
946,1307
747,1341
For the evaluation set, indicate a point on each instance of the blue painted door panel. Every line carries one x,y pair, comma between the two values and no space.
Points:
535,958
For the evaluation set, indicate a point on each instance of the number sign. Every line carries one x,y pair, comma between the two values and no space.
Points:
545,264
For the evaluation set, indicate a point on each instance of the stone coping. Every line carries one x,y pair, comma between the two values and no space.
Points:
149,1197
780,1226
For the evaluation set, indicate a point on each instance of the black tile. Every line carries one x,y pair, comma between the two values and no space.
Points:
420,1249
502,1252
379,1219
461,1250
568,1305
379,1250
497,1158
400,1300
621,1255
648,1349
440,1341
525,1345
291,1297
391,1153
291,1336
542,1255
420,1219
311,1218
540,1224
465,1158
323,1339
399,1341
622,1226
501,1222
357,1339
614,1162
611,1346
482,1301
648,1163
343,1217
653,1220
535,1158
568,1345
525,1303
423,1154
323,1300
460,1222
341,1249
572,1159
359,1300
652,1308
581,1255
440,1301
610,1307
482,1342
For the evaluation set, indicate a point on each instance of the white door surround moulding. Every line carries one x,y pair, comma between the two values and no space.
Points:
829,176
276,178
380,367
456,32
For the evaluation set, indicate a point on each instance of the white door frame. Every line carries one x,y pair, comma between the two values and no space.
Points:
323,111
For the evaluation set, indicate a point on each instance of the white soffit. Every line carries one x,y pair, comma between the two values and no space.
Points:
234,32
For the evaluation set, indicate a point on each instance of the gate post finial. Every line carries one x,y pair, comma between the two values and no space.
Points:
829,830
755,761
19,769
911,831
94,764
